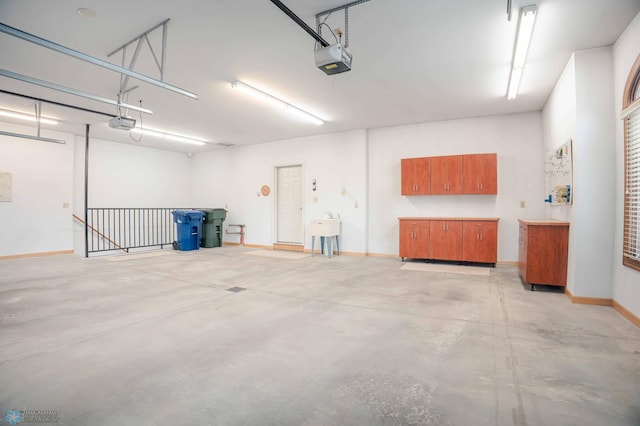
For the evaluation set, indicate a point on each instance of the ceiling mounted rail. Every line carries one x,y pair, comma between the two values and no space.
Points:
6,92
87,58
301,23
35,138
71,91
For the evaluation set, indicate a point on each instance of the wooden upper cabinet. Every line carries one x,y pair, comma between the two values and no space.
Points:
480,174
446,175
416,176
450,175
445,239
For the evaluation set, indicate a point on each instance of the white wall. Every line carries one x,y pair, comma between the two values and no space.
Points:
122,175
232,179
626,282
36,221
594,174
579,108
516,138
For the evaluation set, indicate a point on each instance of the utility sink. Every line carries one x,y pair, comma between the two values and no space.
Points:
325,227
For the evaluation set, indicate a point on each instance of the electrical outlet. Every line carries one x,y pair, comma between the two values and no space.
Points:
522,204
65,205
355,205
315,199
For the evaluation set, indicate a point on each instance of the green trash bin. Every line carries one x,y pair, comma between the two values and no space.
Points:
212,227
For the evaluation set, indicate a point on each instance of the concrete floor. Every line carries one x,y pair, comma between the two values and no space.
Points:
314,341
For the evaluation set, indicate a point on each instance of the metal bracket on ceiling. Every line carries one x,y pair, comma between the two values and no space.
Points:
84,57
328,13
139,40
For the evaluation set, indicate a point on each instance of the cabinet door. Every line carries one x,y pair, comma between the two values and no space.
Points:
480,174
414,239
408,173
480,241
446,174
445,239
423,176
415,176
547,248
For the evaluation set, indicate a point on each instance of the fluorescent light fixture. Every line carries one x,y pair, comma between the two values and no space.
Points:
279,103
26,117
160,134
525,29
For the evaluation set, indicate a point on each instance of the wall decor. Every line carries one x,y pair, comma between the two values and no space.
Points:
559,172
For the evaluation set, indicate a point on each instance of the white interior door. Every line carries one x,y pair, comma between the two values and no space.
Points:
289,194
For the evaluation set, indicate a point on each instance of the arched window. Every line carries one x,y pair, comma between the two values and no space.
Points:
631,112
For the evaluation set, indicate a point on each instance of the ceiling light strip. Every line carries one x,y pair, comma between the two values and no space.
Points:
35,138
26,117
71,91
168,136
526,20
87,58
244,87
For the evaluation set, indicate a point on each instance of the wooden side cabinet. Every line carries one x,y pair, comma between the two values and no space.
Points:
480,174
414,239
480,241
415,176
543,248
446,175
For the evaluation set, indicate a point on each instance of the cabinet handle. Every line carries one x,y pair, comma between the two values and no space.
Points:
480,237
480,186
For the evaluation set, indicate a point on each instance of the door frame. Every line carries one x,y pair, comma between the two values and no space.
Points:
275,201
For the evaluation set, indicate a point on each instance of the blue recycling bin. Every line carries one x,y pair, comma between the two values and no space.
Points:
188,224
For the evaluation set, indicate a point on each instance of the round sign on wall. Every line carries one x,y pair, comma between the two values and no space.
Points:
265,190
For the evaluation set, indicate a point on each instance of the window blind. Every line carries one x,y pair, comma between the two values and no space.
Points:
631,242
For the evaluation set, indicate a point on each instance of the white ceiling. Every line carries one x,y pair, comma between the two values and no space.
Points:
413,61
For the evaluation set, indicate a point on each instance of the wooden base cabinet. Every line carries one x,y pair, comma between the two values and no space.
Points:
456,239
445,242
480,241
414,239
543,249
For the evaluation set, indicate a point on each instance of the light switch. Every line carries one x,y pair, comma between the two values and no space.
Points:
522,204
65,205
